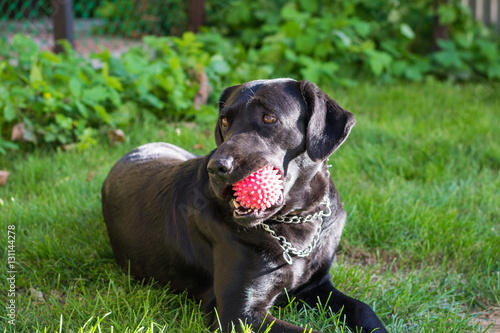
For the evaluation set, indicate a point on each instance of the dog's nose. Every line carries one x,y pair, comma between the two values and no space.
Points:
221,166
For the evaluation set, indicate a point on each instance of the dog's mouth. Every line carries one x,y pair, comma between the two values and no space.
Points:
257,194
240,211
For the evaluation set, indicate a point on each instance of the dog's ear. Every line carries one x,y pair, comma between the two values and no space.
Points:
223,100
329,124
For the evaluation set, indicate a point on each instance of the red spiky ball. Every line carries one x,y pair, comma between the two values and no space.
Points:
260,190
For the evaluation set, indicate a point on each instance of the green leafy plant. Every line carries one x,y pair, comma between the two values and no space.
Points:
337,42
63,99
471,49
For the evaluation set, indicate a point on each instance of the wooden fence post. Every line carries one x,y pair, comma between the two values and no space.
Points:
439,31
196,14
63,22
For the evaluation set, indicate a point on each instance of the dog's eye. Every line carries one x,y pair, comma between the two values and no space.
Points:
223,122
268,119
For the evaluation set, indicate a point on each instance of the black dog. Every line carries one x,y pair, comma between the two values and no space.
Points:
172,216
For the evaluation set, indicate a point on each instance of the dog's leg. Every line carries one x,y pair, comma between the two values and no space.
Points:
243,292
358,316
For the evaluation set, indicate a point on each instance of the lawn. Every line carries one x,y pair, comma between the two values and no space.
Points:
418,177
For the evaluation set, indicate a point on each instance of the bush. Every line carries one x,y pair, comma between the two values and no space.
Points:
337,41
61,99
133,18
66,99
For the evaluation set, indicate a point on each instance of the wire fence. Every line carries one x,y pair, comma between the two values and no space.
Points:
113,24
119,24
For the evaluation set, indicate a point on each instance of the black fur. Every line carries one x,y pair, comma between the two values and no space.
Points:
170,218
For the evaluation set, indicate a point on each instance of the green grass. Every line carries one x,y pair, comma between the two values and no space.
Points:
418,176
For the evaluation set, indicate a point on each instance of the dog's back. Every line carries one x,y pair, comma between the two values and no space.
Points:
136,220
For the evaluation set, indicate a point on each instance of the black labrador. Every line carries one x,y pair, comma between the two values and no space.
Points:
172,216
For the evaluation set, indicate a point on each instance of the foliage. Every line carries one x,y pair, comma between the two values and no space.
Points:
64,98
336,41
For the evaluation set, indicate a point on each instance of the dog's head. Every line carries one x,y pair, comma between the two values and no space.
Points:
289,125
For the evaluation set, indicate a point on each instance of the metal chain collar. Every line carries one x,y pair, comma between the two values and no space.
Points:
287,247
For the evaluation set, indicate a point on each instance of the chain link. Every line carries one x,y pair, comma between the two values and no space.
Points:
287,247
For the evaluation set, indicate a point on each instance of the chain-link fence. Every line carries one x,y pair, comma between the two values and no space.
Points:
114,24
119,24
